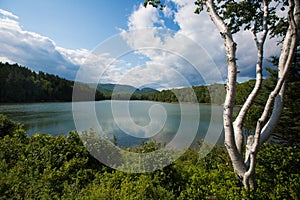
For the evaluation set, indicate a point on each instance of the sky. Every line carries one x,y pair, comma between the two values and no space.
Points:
121,42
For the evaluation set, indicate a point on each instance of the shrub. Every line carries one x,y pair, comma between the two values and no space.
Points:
48,167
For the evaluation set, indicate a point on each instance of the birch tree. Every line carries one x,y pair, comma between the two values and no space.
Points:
258,16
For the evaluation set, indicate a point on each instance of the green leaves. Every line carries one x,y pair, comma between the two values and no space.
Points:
7,126
47,167
247,15
154,3
200,6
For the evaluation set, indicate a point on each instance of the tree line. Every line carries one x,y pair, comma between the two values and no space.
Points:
19,84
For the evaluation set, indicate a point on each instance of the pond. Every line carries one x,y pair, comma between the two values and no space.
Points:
130,121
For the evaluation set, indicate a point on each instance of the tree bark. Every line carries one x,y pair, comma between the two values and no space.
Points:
230,46
238,123
285,60
245,169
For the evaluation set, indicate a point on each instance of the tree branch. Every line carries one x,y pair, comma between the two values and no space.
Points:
285,60
238,123
250,171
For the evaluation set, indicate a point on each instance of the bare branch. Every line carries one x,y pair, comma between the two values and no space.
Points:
238,124
250,171
285,60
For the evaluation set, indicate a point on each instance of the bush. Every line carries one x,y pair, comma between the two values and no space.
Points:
47,167
7,126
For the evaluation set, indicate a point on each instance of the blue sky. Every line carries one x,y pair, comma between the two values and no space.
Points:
72,23
106,41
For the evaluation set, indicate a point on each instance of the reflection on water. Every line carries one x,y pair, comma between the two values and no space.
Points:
146,119
51,118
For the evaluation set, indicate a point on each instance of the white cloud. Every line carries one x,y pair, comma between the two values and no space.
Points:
177,58
5,59
77,56
31,49
98,67
143,18
40,53
168,12
173,58
197,28
8,14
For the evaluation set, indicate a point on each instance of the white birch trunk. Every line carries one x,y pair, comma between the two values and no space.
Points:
238,123
245,169
233,131
230,46
285,60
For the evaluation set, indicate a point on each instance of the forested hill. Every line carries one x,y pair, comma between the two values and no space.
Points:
117,88
19,84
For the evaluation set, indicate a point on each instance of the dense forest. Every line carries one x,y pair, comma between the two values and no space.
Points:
47,167
19,84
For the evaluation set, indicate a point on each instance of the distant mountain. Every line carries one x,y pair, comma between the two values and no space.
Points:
118,88
146,90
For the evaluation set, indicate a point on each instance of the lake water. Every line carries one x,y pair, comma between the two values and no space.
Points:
131,122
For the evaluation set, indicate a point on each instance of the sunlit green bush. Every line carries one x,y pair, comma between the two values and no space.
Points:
48,167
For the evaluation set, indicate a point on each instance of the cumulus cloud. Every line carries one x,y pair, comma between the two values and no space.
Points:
168,12
204,53
38,52
147,53
178,58
143,18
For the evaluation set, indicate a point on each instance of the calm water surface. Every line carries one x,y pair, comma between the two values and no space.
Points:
146,119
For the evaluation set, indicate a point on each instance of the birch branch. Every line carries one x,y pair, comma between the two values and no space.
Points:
285,60
238,123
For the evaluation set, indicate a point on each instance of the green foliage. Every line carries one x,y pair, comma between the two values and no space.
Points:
119,185
248,15
278,167
154,3
289,123
256,109
47,167
19,84
214,93
7,126
288,127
